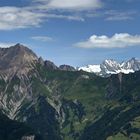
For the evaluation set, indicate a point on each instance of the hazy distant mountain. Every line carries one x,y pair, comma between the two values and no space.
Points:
67,68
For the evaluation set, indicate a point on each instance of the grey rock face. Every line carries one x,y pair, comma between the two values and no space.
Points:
41,61
15,64
50,65
16,59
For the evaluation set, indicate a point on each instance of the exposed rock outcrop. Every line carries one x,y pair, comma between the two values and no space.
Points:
50,65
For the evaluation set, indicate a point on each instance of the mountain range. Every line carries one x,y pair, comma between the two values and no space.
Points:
111,66
41,101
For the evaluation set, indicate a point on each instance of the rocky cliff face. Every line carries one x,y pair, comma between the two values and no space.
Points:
50,65
16,59
16,63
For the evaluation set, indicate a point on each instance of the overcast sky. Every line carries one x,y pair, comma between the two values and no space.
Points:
75,32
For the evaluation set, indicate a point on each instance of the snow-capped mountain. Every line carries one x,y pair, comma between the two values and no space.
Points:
132,64
91,68
111,66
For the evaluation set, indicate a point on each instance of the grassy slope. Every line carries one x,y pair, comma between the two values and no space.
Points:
93,94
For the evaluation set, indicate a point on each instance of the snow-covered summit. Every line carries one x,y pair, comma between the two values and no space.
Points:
91,68
111,66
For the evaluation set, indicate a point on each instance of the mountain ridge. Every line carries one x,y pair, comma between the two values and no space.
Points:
111,66
62,104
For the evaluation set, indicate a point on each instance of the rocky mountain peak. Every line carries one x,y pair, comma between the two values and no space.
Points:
110,65
132,64
110,62
16,58
50,65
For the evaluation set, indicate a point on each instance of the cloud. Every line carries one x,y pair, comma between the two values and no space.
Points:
42,38
69,4
6,45
113,15
119,17
18,18
120,40
39,11
68,17
15,18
